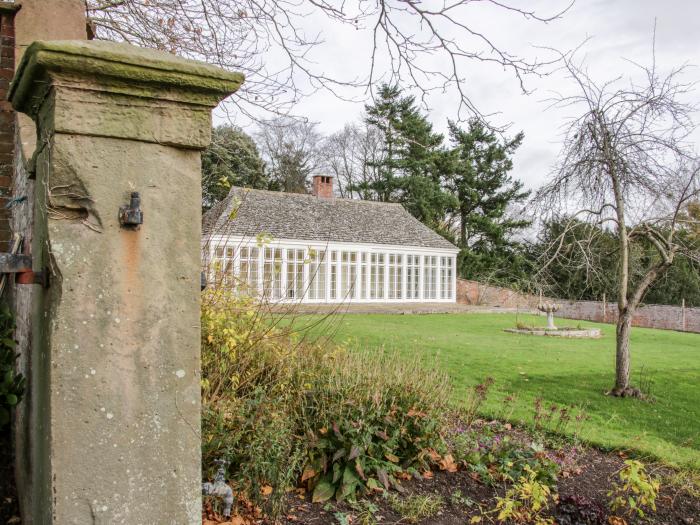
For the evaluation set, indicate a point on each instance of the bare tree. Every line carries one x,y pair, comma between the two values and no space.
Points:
291,150
272,42
626,166
352,156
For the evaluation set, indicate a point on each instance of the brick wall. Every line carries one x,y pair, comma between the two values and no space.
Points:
7,117
479,294
666,317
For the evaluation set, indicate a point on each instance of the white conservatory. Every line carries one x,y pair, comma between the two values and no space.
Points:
318,249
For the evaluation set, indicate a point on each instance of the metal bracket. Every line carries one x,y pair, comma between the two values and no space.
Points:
31,277
131,216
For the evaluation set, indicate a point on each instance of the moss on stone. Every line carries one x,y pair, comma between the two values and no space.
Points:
118,67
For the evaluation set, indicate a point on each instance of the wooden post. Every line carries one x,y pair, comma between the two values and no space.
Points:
683,325
605,309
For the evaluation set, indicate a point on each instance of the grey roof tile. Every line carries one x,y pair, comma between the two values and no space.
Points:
247,213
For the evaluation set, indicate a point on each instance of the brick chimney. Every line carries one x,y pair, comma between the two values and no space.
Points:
323,186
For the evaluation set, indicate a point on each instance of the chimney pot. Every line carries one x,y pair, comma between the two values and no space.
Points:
323,186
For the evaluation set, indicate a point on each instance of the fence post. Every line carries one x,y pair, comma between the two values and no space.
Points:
605,309
683,323
115,380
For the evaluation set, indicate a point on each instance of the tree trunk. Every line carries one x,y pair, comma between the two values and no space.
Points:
622,358
463,230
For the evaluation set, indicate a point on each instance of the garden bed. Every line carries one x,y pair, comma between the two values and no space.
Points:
586,476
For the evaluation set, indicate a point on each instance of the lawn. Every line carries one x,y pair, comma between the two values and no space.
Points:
471,347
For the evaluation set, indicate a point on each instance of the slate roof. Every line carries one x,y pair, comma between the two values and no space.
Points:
247,213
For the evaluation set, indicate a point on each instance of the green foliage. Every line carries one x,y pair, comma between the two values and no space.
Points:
281,409
478,176
526,501
498,458
413,161
12,384
636,490
232,159
416,507
364,512
376,418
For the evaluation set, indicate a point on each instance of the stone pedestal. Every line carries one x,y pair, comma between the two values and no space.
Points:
115,342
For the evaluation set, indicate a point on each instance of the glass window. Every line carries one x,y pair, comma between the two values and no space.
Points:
362,284
348,275
334,275
317,275
395,276
430,276
377,272
272,273
413,277
248,275
295,274
446,277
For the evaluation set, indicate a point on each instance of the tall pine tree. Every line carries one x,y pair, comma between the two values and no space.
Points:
413,161
479,178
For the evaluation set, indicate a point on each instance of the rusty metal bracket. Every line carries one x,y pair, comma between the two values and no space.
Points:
32,277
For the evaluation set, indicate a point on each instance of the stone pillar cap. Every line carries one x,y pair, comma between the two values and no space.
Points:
9,7
118,68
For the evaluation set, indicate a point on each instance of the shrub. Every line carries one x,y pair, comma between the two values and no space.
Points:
526,501
497,458
371,417
11,384
281,409
636,491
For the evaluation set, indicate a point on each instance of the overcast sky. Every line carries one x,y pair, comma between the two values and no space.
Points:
616,30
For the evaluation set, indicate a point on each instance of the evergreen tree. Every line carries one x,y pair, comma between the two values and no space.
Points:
232,159
479,178
411,167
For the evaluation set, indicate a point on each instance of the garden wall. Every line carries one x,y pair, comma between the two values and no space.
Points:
665,317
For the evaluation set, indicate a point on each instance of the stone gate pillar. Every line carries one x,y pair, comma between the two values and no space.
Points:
115,343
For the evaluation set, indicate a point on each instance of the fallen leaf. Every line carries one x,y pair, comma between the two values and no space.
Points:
448,463
433,455
428,474
475,519
266,490
307,474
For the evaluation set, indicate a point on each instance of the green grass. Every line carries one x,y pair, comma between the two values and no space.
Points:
471,347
